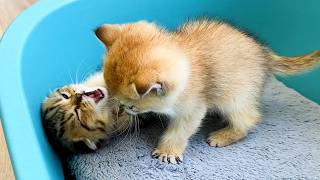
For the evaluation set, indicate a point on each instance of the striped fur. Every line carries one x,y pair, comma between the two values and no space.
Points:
70,122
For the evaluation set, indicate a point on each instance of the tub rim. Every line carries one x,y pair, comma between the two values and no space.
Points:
12,46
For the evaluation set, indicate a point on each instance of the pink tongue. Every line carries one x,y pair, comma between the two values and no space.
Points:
96,95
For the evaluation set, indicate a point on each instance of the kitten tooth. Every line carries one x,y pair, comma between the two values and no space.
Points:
90,144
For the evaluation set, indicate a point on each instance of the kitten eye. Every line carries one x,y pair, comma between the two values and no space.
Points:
64,95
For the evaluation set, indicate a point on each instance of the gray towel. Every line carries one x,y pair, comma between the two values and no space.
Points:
285,145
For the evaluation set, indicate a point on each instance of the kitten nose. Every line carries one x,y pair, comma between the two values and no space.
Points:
78,98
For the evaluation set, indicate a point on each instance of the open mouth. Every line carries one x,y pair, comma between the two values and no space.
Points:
96,95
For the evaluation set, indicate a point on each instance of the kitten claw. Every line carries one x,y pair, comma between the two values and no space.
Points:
167,158
155,155
178,160
214,143
164,159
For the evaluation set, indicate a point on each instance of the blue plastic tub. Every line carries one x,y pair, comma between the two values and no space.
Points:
54,40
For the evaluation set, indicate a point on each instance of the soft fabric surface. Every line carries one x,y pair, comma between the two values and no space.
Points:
285,145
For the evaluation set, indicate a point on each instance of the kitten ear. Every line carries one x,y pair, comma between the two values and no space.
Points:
143,90
108,33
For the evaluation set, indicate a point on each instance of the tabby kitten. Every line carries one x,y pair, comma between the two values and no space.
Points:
202,66
78,117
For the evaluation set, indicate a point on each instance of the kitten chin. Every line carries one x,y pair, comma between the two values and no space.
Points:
203,65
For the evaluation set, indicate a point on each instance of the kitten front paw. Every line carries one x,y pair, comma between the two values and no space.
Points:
168,155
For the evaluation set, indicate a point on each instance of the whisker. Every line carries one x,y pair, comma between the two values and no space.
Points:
86,72
159,116
123,125
81,75
126,130
132,129
120,128
72,81
51,91
77,71
138,125
135,126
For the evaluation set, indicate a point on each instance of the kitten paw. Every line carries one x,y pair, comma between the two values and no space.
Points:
167,156
224,137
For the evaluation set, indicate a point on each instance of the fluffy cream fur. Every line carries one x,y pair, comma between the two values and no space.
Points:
203,66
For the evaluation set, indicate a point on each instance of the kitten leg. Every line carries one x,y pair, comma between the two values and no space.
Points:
239,123
175,139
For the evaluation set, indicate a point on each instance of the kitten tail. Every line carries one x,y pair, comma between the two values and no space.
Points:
291,65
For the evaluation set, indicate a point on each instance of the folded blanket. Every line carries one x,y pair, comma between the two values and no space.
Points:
286,144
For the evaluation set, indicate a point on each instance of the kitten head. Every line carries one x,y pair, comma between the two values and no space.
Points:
76,117
144,68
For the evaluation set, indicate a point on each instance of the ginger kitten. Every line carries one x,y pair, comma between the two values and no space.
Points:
202,66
